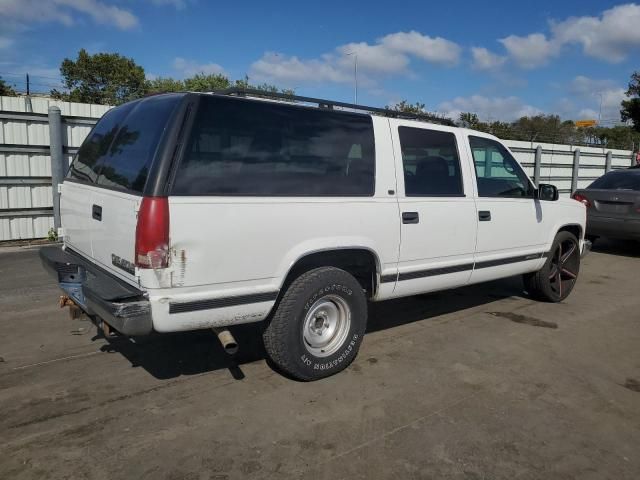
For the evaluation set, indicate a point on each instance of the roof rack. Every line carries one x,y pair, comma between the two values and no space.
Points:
330,104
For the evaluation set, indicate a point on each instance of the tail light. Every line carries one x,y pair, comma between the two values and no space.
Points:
582,199
152,233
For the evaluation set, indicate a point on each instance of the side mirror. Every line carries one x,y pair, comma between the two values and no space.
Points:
547,192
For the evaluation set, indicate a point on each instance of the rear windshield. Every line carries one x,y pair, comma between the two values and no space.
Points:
119,151
618,181
254,148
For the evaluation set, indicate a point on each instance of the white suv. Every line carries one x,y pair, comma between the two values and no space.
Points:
197,211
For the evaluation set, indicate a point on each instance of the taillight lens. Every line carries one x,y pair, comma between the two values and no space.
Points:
152,233
582,199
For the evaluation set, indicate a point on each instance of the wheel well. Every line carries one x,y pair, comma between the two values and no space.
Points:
359,262
574,229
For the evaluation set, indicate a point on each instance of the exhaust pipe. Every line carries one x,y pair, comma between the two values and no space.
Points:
229,343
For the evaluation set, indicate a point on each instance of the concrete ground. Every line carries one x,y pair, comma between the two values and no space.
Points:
474,383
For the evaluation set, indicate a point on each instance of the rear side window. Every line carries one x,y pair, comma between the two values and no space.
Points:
430,162
251,148
618,181
85,165
119,151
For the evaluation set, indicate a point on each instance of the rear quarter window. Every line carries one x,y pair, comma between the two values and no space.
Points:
120,149
253,148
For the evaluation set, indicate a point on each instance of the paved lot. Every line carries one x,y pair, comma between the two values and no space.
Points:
474,383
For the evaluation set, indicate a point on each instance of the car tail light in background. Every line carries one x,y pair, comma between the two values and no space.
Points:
582,199
152,233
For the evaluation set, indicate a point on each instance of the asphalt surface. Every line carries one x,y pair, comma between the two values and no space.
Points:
474,383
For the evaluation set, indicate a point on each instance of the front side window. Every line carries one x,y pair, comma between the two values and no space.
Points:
498,174
254,148
430,162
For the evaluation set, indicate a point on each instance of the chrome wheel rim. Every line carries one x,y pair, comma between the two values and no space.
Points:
326,325
565,264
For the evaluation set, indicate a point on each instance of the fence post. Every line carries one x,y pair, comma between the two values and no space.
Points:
576,170
607,165
536,166
57,160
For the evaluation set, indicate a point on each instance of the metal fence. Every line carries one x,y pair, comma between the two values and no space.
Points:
26,199
25,164
568,167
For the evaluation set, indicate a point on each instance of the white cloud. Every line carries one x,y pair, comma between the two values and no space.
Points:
489,108
610,37
597,94
389,55
483,59
531,51
290,70
430,49
189,68
372,58
23,12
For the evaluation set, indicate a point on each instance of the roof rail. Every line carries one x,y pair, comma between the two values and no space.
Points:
330,104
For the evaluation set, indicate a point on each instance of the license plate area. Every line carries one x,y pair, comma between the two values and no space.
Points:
612,207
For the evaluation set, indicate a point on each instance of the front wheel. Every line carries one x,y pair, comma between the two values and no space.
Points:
556,279
318,325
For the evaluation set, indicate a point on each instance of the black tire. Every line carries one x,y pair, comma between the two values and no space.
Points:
286,336
556,279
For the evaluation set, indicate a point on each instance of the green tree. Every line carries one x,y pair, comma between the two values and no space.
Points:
163,85
6,90
469,120
103,78
544,128
404,106
202,82
631,108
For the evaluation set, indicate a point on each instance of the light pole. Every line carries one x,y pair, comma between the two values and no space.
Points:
355,75
600,109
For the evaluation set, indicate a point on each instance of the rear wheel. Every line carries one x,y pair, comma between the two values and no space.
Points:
556,279
318,325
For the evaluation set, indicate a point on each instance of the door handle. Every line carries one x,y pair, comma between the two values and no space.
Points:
96,212
410,217
484,215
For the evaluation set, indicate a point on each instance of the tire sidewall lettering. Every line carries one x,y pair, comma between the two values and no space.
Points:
326,290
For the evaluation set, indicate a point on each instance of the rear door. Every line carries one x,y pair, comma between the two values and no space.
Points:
103,191
437,208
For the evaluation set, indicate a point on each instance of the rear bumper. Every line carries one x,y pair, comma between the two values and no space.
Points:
613,227
121,305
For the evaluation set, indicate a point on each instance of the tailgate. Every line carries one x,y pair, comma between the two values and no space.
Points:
101,225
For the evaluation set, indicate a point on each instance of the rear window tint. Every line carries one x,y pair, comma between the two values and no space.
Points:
119,151
618,181
85,165
239,147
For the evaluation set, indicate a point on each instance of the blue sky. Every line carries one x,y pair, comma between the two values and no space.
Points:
501,59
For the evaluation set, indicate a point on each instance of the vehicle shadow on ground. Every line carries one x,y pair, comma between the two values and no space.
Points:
623,248
172,355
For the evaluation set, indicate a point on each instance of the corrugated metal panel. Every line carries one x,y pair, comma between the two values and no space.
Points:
34,132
